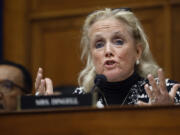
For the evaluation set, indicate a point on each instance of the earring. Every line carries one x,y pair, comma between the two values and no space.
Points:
137,62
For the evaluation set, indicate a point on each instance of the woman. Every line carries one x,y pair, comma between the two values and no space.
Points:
115,45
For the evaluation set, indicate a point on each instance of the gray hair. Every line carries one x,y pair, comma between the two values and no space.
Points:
146,63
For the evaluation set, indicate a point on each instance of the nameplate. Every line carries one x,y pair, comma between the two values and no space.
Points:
55,101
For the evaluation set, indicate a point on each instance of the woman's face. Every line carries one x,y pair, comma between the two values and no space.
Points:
113,49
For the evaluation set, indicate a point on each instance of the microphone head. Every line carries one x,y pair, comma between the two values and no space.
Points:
100,79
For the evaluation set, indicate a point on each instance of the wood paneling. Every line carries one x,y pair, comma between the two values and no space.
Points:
150,19
176,41
39,6
15,31
47,33
89,121
55,47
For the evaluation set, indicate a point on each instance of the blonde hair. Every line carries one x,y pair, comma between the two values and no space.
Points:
147,64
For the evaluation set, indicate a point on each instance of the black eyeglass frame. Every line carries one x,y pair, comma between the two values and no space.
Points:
115,10
12,84
122,9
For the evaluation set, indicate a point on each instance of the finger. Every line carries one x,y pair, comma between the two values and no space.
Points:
148,90
42,87
49,86
173,91
152,82
141,103
38,78
38,81
162,84
40,70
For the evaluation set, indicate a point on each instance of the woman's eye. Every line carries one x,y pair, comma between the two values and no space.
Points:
99,44
119,42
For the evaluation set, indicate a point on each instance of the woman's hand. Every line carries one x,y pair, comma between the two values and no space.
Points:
157,93
43,86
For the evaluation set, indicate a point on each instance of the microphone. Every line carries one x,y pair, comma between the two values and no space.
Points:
100,79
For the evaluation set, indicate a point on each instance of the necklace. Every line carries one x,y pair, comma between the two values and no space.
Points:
105,100
125,98
117,92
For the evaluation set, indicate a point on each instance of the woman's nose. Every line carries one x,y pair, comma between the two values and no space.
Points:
108,50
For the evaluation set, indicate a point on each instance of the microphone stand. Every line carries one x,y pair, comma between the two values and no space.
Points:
96,89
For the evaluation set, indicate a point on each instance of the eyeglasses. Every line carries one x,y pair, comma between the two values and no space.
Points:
122,9
115,10
7,86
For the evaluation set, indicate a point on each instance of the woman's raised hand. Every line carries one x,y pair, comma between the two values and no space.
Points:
43,86
157,92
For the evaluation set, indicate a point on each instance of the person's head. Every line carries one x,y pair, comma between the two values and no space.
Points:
15,80
114,44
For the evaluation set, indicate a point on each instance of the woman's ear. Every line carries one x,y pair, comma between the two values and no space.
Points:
139,51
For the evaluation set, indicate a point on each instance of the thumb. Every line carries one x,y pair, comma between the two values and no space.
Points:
141,103
173,91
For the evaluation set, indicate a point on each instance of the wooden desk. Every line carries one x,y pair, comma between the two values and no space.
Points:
91,121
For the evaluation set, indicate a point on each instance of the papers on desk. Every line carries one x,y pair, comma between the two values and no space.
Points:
55,101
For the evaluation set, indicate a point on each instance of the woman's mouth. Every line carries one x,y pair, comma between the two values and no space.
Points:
109,64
